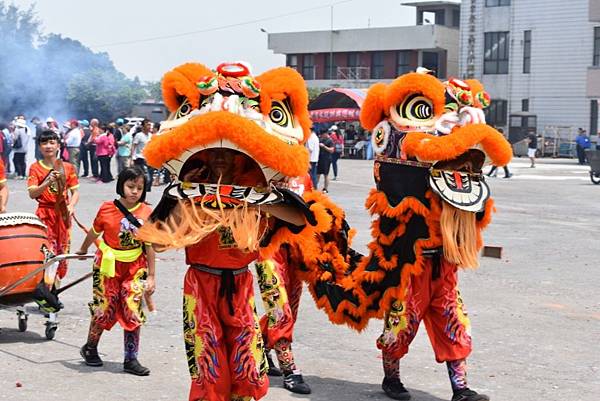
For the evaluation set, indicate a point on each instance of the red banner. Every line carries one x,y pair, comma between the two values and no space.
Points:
333,115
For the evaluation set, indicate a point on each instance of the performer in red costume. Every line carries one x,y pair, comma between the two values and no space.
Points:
280,291
56,193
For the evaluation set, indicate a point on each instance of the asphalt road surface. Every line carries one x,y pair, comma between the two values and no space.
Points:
535,312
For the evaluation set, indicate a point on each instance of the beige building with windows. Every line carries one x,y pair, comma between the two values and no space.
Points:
360,57
540,57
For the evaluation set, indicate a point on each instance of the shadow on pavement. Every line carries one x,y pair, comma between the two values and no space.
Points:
9,336
109,366
330,389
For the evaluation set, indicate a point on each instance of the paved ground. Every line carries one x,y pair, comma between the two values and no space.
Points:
535,312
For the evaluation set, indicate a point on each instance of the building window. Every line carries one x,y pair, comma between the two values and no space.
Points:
526,52
497,3
353,60
403,62
524,104
330,68
456,18
496,53
495,115
596,61
377,65
292,61
308,66
431,62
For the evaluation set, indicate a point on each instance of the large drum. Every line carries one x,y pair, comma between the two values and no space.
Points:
23,248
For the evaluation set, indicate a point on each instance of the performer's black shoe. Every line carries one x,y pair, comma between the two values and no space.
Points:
466,394
294,382
90,356
273,369
394,389
135,368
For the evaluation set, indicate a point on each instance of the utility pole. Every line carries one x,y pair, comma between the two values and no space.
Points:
331,43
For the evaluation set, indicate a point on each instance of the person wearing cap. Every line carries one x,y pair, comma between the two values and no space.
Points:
39,127
338,148
73,143
123,139
20,146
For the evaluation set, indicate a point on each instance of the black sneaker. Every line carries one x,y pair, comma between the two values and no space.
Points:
294,382
273,369
90,356
394,389
466,394
135,368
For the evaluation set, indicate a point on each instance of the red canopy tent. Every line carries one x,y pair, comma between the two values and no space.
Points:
337,104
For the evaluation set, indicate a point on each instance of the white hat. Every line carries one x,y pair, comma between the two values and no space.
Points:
333,128
50,120
20,122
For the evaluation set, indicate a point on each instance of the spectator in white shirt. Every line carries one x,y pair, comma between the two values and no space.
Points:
73,143
313,147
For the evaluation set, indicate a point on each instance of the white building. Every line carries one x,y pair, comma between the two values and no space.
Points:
536,56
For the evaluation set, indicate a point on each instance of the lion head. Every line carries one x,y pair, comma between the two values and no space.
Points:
262,121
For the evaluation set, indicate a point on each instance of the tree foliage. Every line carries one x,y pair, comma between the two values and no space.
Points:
40,74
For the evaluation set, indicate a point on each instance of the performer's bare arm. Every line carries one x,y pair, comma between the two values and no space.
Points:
285,213
89,240
3,197
73,201
36,190
151,258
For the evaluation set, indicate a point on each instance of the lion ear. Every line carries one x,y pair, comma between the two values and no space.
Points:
285,83
181,82
373,111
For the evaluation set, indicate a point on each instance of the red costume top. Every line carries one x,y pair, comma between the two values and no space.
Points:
117,231
39,171
219,250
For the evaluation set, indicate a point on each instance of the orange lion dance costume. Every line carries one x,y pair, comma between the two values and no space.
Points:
431,203
232,141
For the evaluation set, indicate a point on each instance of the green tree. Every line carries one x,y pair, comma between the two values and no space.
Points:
103,94
154,90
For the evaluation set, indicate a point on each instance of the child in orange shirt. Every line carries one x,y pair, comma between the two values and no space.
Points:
44,184
123,270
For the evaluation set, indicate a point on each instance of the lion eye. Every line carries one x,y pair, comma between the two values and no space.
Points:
184,109
416,107
280,114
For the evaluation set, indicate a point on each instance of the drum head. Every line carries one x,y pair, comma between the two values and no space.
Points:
15,219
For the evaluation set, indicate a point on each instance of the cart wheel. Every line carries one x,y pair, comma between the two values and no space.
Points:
22,322
51,331
595,178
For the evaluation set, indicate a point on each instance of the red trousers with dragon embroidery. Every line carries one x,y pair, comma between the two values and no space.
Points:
119,298
222,337
281,290
438,303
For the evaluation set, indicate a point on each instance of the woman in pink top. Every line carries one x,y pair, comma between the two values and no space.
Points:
105,149
338,142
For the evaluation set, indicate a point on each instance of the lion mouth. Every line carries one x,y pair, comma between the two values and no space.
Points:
460,181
